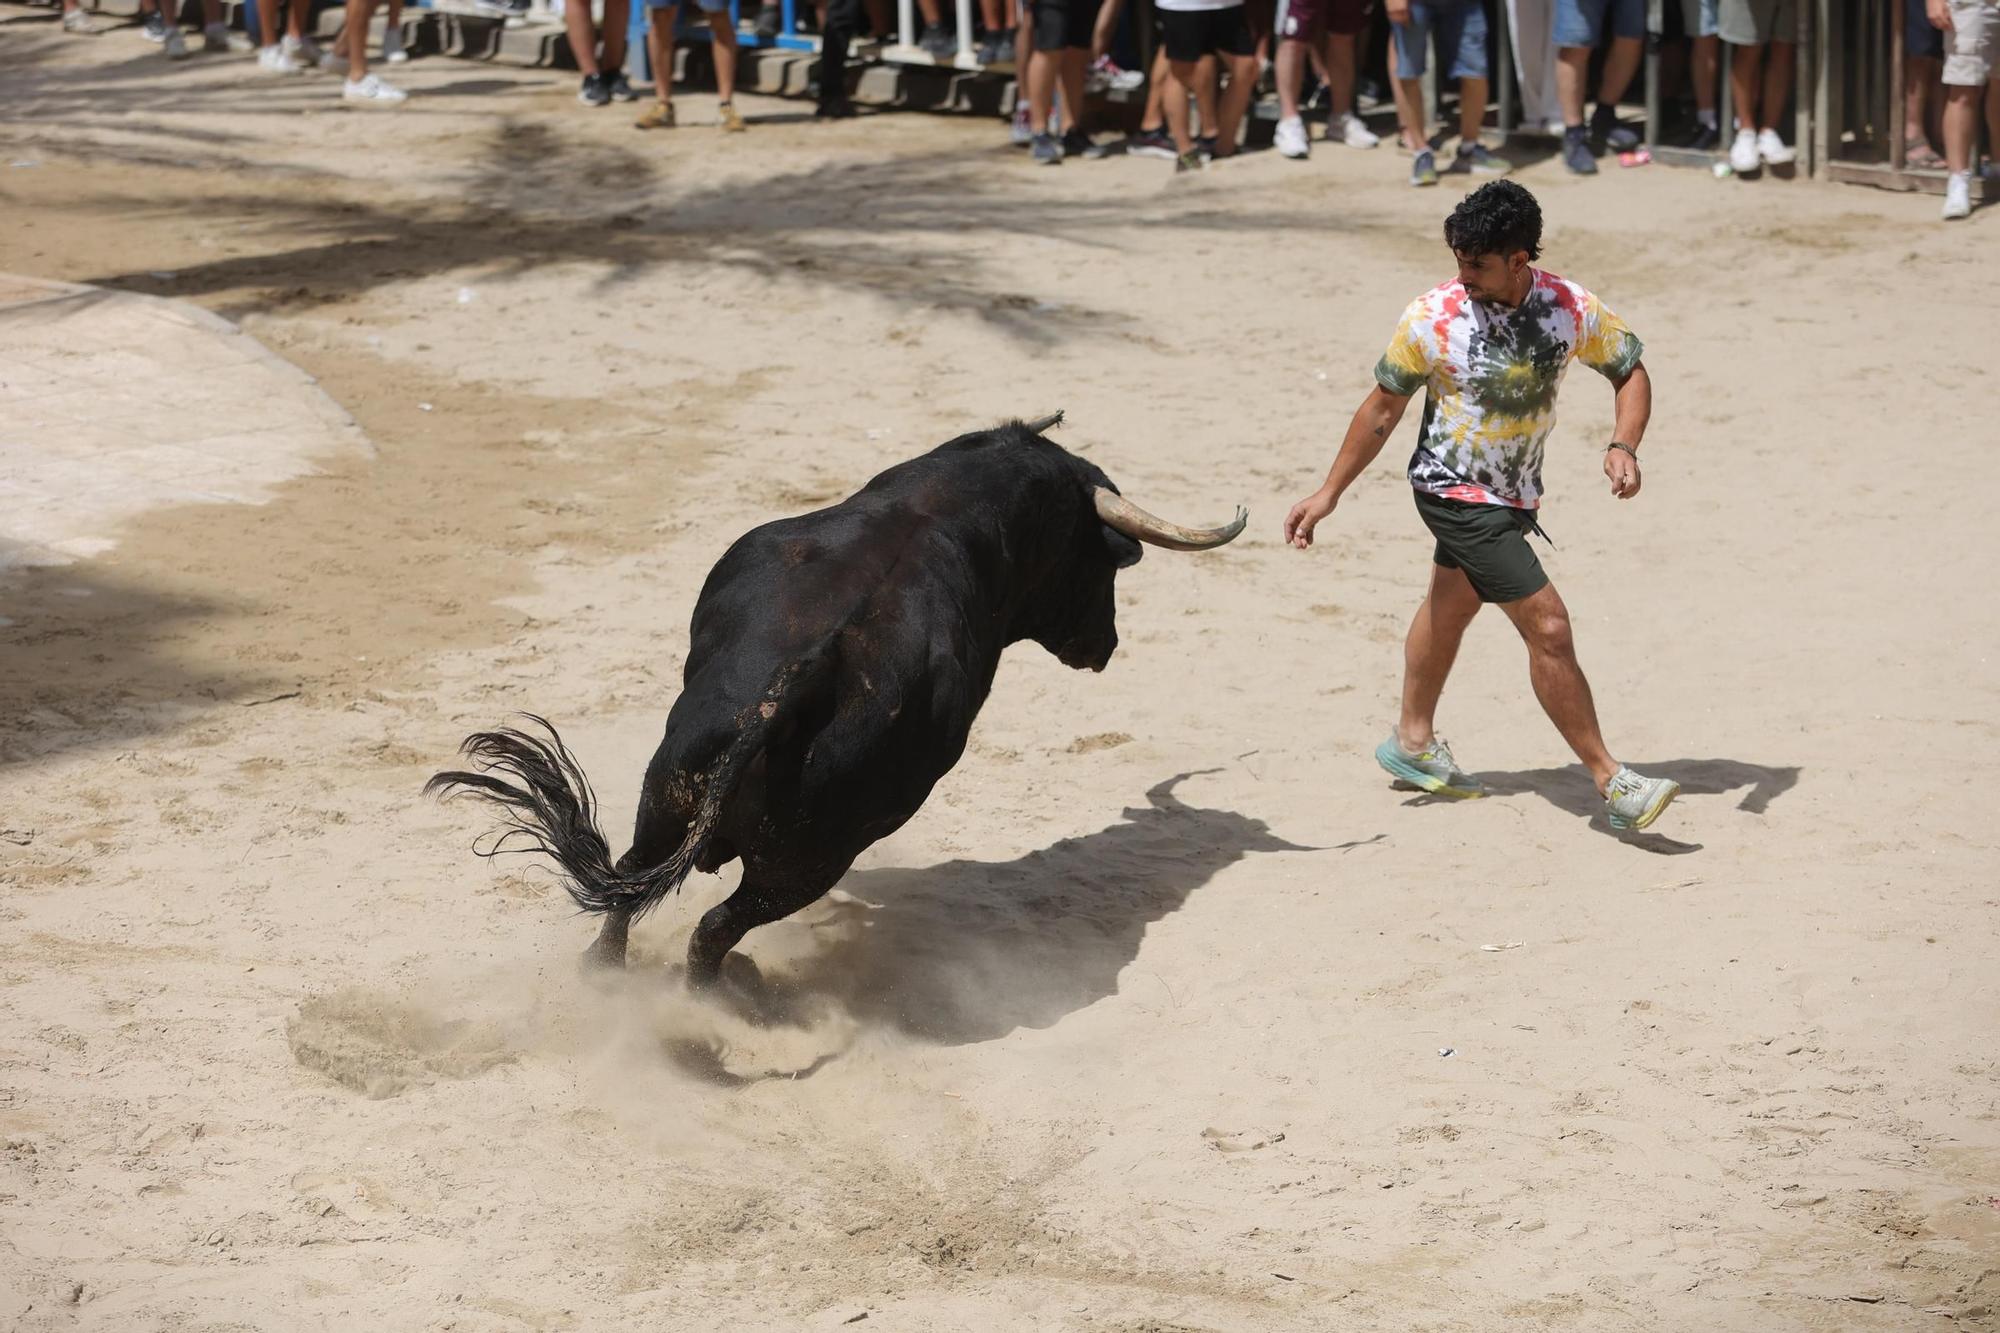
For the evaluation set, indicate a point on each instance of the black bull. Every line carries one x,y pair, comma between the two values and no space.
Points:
835,665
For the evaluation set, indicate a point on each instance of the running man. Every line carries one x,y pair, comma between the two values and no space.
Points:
1489,350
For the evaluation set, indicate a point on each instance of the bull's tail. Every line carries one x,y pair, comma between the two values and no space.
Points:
549,806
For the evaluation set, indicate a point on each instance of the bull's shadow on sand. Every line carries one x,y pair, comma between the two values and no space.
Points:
968,951
1570,789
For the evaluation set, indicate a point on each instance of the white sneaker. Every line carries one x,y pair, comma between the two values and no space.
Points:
175,45
393,50
1350,130
1957,196
218,37
1290,137
372,89
79,21
1743,153
1772,149
304,50
277,60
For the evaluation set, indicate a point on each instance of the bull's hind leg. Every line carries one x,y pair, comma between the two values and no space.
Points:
762,897
657,837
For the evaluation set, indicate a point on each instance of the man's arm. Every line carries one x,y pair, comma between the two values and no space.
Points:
1373,422
1633,409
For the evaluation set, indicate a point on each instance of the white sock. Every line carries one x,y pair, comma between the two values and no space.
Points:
1706,118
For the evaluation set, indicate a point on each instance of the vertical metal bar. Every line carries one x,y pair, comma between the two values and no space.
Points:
1826,89
1654,21
789,17
1504,53
906,21
1726,95
1898,156
964,15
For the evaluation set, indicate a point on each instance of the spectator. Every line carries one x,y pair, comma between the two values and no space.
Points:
843,17
1324,31
1152,140
1971,33
292,51
1461,41
1345,23
660,20
998,48
603,66
1765,35
1579,26
1064,31
1705,52
361,86
1923,88
1192,29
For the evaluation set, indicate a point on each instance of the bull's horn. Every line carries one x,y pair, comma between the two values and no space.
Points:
1045,424
1120,513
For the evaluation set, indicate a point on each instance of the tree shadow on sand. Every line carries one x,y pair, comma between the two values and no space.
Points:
969,951
1570,789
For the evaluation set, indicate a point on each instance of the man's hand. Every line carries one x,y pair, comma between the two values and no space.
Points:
1939,13
1623,469
1305,516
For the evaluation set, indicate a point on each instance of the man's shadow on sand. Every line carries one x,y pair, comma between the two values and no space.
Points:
1570,789
968,951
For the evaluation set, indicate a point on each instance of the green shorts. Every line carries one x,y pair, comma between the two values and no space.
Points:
1488,542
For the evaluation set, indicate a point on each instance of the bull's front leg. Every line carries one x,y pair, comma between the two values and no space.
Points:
608,950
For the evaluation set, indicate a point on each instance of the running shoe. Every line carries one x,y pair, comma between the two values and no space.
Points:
1352,131
1046,151
370,89
1634,802
1424,168
1105,75
1151,143
1020,132
1187,162
80,22
1743,153
1957,196
1576,152
1075,143
593,92
658,116
393,49
1205,145
731,122
619,87
1478,159
216,38
937,43
303,49
277,60
1773,149
1290,138
155,29
1705,139
1604,126
1433,770
175,45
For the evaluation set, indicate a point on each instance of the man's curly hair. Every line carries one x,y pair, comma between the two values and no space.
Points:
1498,218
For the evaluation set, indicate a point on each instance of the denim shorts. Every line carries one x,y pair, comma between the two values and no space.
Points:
707,6
1698,17
1581,22
1460,26
1920,39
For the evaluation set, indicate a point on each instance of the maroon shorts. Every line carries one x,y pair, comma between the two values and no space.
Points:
1312,19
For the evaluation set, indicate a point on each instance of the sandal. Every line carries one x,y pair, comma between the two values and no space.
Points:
1918,153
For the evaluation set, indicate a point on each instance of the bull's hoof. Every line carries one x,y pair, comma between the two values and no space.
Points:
602,957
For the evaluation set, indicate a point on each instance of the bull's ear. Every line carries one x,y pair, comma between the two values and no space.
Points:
1124,551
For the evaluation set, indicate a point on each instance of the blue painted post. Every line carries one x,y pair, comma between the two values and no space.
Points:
637,58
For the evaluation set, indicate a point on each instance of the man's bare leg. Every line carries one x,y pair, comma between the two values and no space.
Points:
1429,651
1559,682
1234,102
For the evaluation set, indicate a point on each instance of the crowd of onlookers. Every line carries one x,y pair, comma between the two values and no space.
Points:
1575,60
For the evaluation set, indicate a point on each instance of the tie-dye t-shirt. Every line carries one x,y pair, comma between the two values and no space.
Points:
1491,376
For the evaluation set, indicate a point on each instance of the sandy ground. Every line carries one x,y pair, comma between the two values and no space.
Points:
1139,1025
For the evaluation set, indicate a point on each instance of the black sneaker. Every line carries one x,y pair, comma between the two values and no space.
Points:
1003,50
1152,143
838,109
1576,151
593,92
1604,127
1075,143
156,27
1045,150
616,85
770,22
1205,145
937,43
1706,139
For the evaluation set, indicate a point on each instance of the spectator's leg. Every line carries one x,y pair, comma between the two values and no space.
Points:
1207,74
1472,95
1180,85
582,37
1292,53
933,15
1745,79
660,25
617,18
723,46
295,21
881,19
1961,126
1627,53
842,17
1707,61
1075,60
1410,47
1340,73
355,33
1044,72
1572,75
1155,115
1778,60
1993,118
1234,101
993,14
267,23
